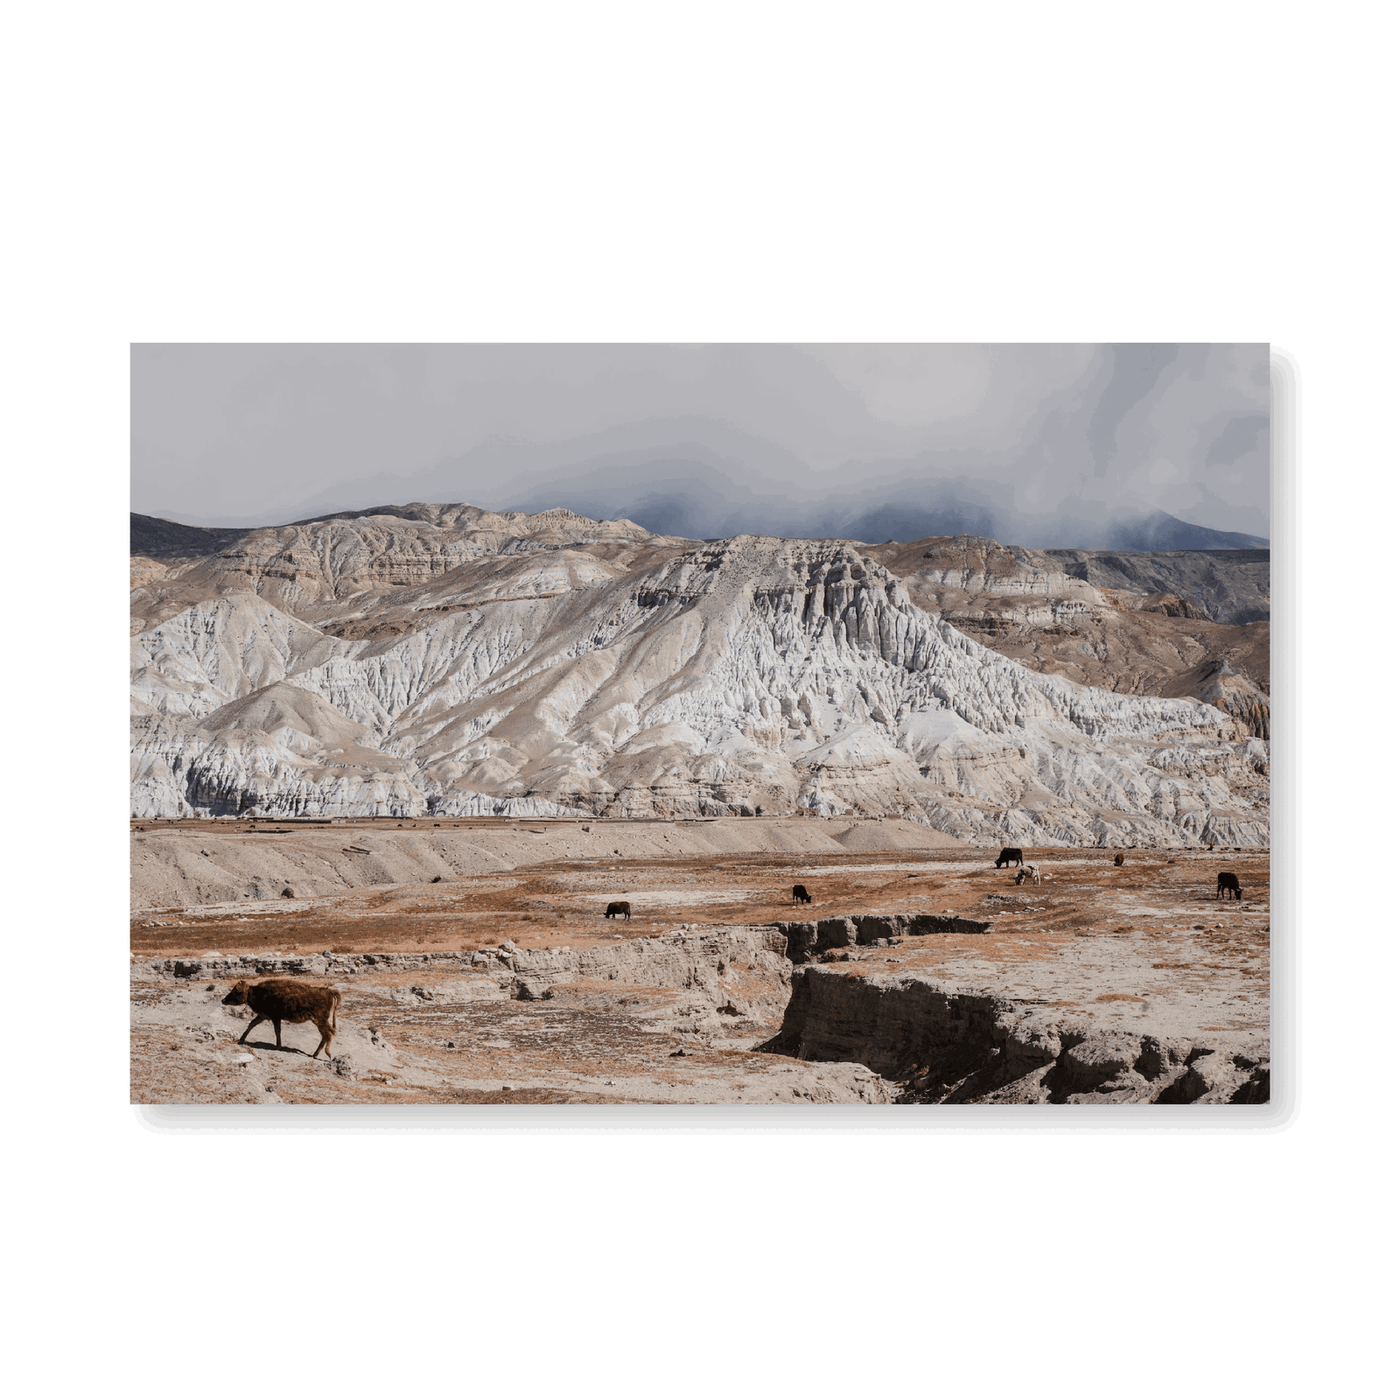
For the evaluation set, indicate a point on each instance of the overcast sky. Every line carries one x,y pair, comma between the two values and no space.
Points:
249,434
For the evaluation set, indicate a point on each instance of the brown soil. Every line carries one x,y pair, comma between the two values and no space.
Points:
543,906
1121,945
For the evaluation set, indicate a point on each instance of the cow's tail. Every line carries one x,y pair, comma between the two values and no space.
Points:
335,1006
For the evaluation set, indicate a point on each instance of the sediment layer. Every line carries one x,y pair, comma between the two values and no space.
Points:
949,1045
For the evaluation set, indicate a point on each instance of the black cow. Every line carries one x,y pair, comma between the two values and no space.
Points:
800,895
1010,855
619,906
1225,882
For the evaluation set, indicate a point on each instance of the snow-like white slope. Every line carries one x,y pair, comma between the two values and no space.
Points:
753,673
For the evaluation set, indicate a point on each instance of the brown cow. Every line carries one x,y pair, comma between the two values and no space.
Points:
284,999
1118,859
619,906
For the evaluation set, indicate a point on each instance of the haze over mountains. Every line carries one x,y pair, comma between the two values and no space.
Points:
676,496
1068,446
446,659
689,496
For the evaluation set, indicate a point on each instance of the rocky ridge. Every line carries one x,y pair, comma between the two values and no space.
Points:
461,662
1186,623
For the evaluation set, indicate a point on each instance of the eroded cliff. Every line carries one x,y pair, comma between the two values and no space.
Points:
464,663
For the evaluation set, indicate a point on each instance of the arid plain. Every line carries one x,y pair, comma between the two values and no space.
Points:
476,965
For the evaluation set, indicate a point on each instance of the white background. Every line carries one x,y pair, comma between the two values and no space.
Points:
881,172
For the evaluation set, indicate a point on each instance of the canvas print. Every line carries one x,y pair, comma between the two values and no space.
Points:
700,724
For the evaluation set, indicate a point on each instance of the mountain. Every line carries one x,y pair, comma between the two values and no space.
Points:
1159,531
1186,623
167,539
446,659
673,495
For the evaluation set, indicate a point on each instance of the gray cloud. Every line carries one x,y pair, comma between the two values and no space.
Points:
1242,435
1135,372
1030,437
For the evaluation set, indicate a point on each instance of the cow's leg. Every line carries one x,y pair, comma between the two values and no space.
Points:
277,1031
256,1021
325,1040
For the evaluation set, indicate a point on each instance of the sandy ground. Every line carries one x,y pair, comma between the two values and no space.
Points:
1143,947
175,864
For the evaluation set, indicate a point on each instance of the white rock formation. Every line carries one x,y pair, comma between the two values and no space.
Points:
538,665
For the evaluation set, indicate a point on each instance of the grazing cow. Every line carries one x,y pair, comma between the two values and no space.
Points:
284,999
1118,859
800,895
1028,872
1226,882
1010,855
619,906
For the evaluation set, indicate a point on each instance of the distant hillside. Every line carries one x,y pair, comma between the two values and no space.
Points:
1160,531
168,539
1174,622
1225,585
